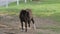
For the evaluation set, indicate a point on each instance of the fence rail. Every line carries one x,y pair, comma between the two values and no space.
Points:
6,2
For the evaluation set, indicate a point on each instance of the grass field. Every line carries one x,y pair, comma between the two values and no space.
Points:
50,10
43,9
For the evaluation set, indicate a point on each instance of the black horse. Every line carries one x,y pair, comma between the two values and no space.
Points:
26,17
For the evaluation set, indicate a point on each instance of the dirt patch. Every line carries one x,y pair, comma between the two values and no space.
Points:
10,24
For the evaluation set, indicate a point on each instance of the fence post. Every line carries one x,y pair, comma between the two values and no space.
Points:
25,1
17,2
30,0
6,3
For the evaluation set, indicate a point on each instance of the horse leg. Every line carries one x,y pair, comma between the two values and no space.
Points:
33,23
25,26
22,25
29,23
32,20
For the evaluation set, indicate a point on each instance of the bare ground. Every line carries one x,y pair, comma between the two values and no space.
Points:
11,25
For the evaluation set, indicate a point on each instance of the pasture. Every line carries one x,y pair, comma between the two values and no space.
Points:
46,15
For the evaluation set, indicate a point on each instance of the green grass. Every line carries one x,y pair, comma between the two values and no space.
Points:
50,10
41,9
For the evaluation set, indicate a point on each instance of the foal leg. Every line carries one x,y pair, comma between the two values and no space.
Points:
32,20
22,26
25,26
33,23
29,23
